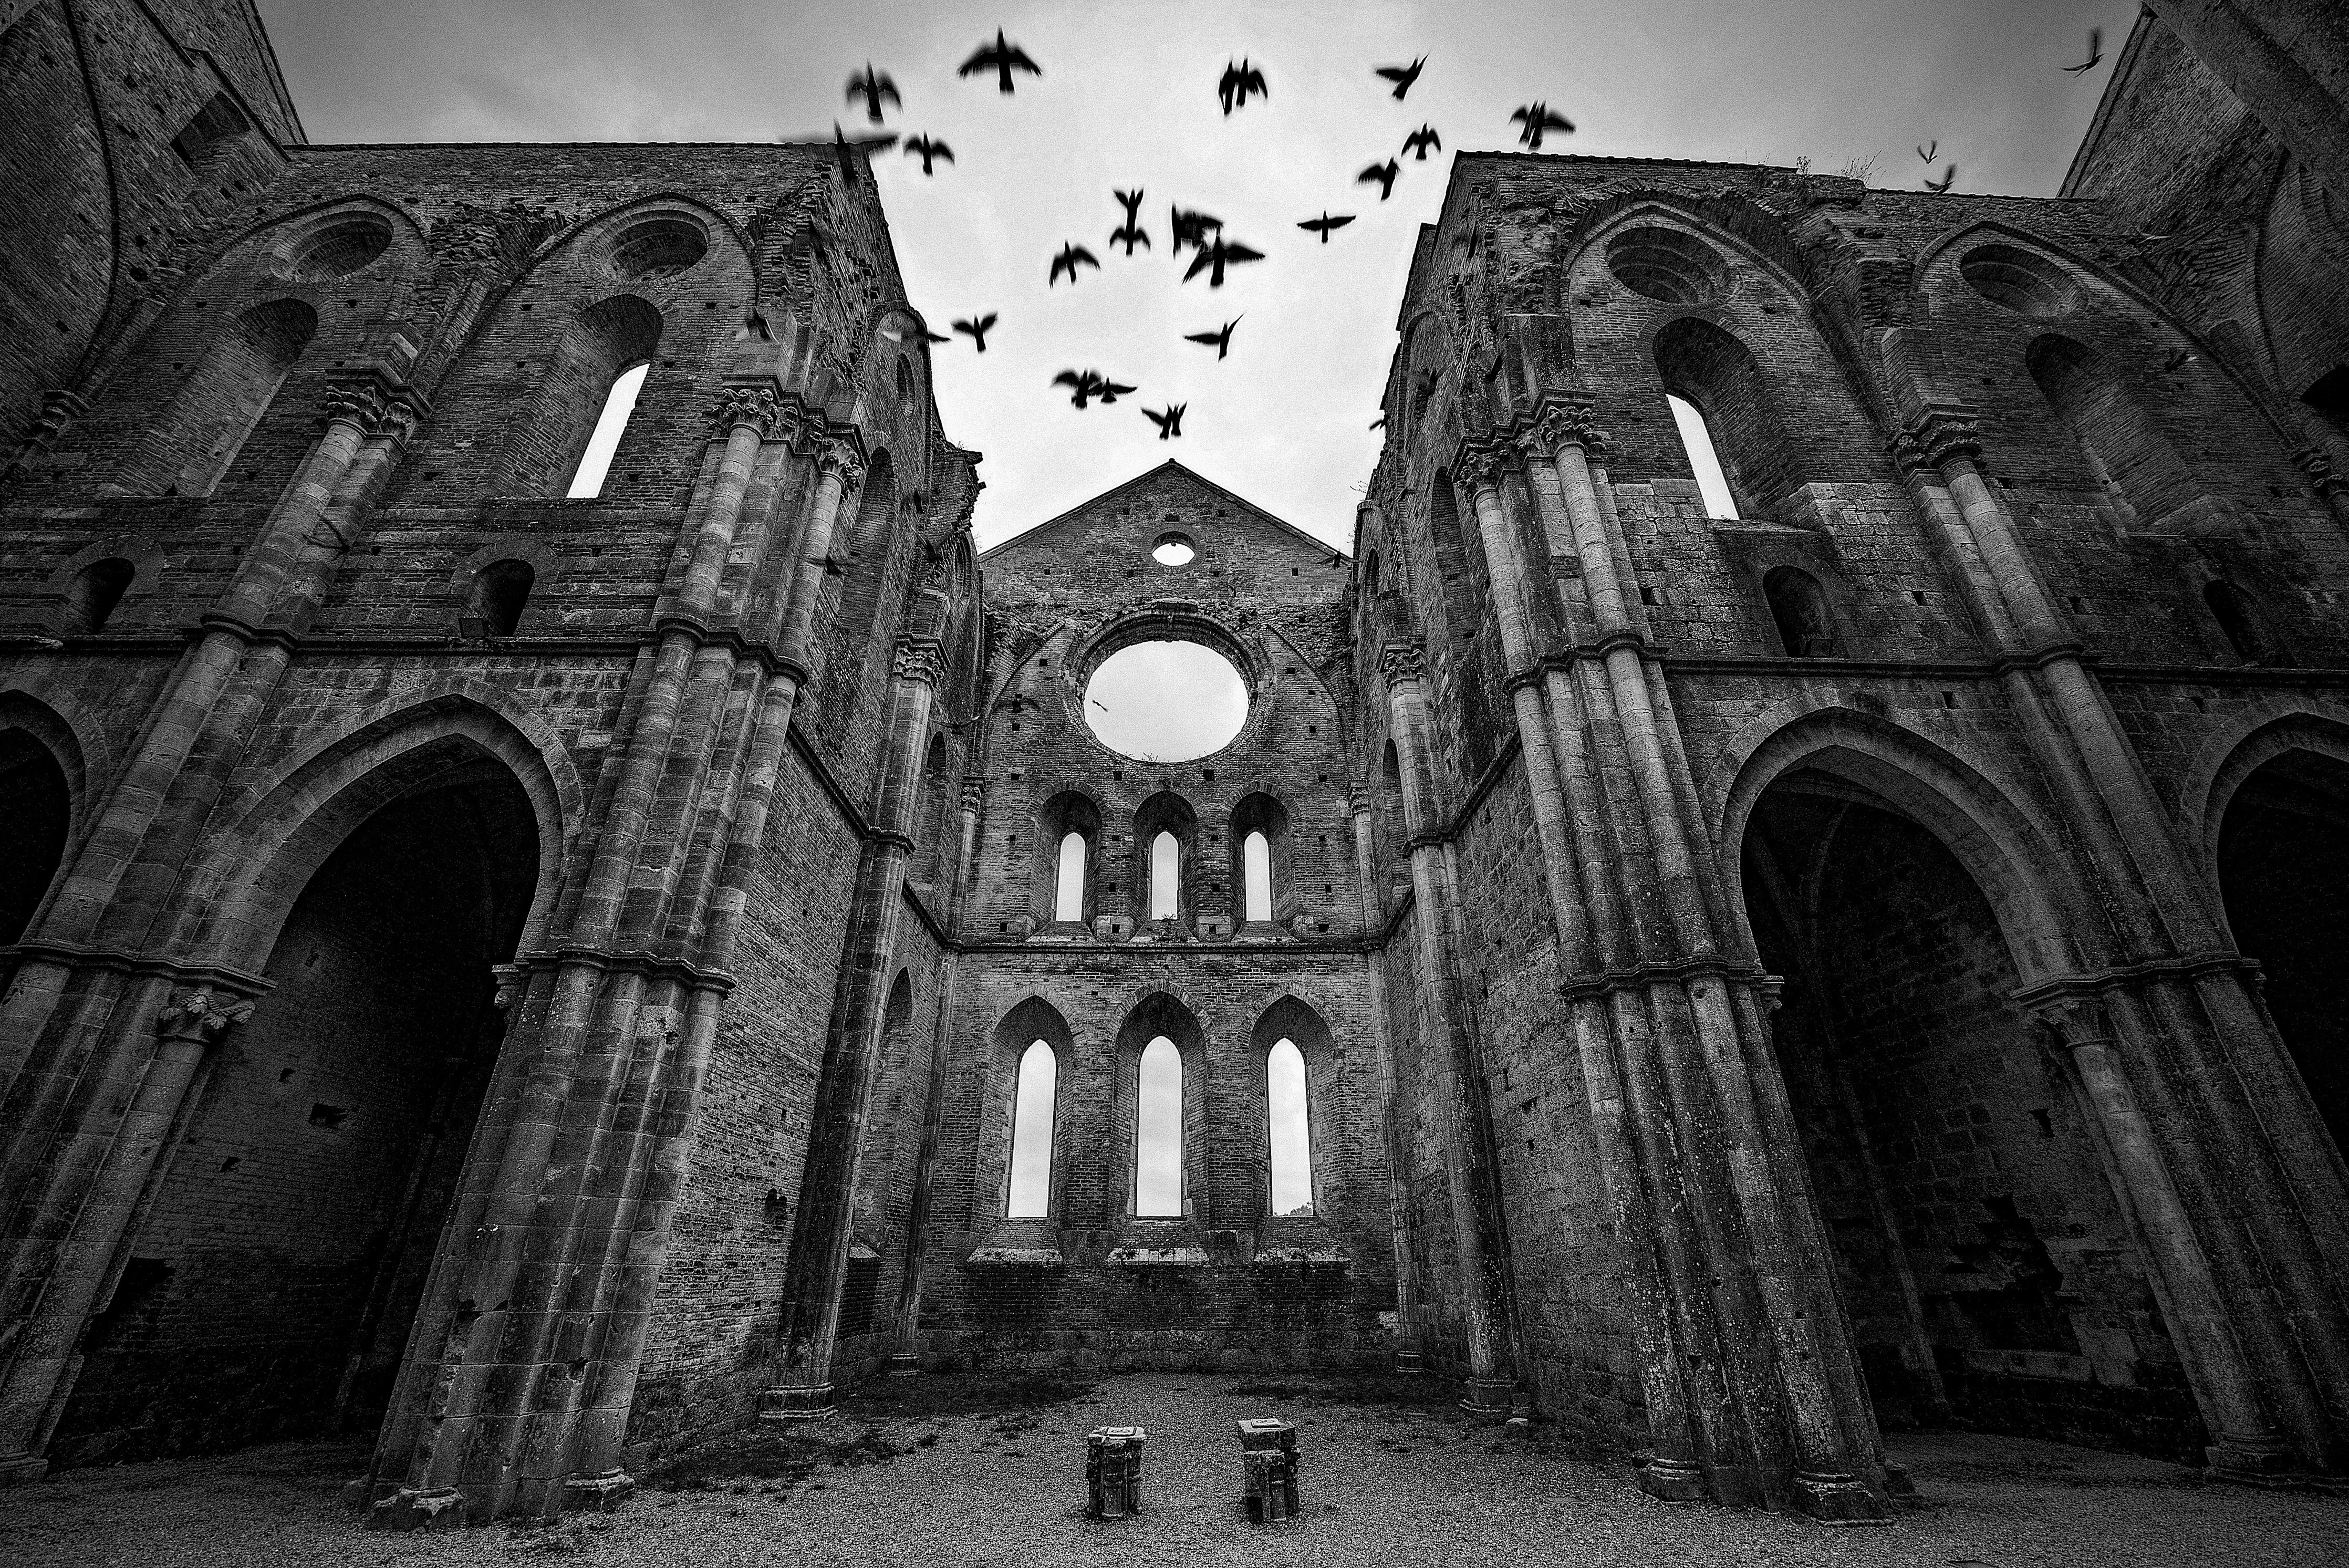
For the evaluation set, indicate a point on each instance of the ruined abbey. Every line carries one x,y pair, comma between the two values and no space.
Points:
543,980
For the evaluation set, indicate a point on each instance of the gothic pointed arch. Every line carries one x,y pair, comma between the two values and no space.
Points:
1160,1134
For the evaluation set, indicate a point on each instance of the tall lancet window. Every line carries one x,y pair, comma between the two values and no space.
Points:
1158,1133
1031,1135
1697,438
595,463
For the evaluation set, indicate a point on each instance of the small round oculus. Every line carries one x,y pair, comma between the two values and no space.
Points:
1174,550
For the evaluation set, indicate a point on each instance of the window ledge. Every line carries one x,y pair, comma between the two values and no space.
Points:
1133,1256
1017,1257
1300,1257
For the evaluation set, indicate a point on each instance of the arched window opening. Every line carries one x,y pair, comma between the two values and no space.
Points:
2233,610
1030,1195
907,400
1290,1132
1069,897
1256,876
210,128
1158,1133
1799,606
500,593
90,598
1697,441
190,450
36,814
1459,562
1730,413
574,400
596,461
1165,876
1067,834
1160,859
2118,436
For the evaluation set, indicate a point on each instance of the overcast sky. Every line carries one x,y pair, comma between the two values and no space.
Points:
1128,99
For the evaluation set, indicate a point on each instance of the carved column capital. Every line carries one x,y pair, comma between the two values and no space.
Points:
755,407
1480,465
374,408
2313,462
918,658
974,793
1402,662
201,1016
1561,425
2076,1020
841,459
1358,798
1937,437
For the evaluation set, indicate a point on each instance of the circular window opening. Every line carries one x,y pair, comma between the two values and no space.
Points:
1668,265
659,247
2024,281
1165,702
1174,550
341,248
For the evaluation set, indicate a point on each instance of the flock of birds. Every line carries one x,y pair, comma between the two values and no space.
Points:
1203,233
1212,254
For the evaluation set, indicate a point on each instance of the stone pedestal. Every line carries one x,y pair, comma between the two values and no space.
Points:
1489,1397
1268,1466
1408,1362
1113,1471
796,1402
904,1364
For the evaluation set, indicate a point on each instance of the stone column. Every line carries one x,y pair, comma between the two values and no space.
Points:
45,1354
2247,1442
1406,1265
1443,1046
819,1244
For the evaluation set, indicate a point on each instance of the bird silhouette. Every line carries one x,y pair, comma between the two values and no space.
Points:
1001,56
977,330
1220,340
1384,173
1535,118
1403,76
930,336
1071,256
1380,424
1087,385
1131,233
2096,53
1169,423
2178,359
1218,254
1926,154
1191,228
872,86
1325,222
926,148
1237,82
842,144
1110,390
1941,187
1420,141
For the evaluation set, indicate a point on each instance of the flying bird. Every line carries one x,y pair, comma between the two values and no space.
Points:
1941,187
873,87
1420,141
1218,254
1380,424
977,330
1403,76
1170,424
1001,56
1071,256
1110,390
842,144
1131,233
1220,340
925,148
930,336
2096,53
1535,118
1191,228
1087,384
2178,359
1325,222
1927,154
1237,82
1384,173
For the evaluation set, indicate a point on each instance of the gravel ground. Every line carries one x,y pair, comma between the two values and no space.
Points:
934,1471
